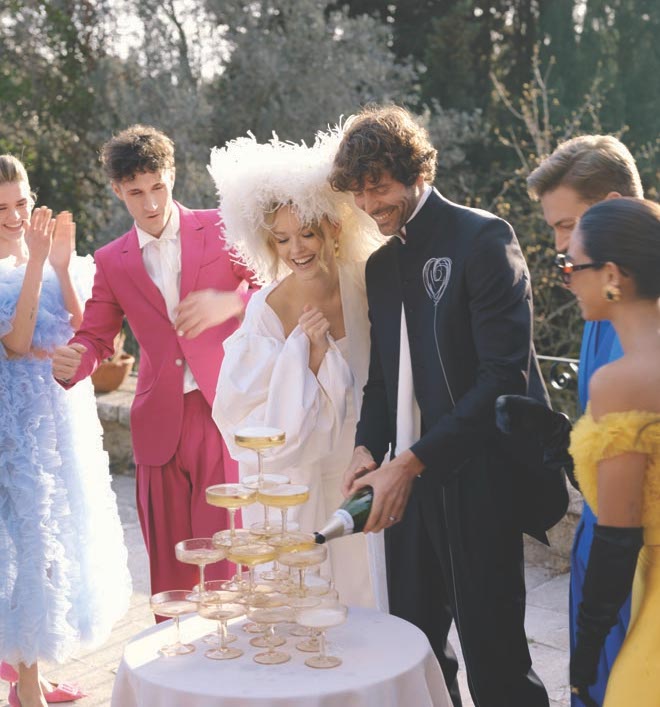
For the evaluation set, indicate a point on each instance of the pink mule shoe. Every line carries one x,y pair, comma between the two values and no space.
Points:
7,672
63,692
12,697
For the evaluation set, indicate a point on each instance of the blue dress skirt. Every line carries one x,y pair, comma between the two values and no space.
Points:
64,578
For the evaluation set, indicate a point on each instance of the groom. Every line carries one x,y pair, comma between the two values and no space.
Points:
450,306
181,291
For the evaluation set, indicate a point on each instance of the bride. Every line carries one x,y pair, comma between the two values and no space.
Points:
299,361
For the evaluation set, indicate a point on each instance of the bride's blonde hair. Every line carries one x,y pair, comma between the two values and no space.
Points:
255,179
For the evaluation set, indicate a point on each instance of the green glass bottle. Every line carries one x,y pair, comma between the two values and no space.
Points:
350,517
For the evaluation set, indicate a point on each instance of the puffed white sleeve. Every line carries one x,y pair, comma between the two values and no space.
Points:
265,380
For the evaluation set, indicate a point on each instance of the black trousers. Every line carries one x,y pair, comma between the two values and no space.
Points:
456,556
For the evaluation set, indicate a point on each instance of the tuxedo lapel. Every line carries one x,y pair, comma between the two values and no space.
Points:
427,221
386,301
133,264
192,250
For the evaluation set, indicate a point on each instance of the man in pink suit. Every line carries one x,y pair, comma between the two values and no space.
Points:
182,292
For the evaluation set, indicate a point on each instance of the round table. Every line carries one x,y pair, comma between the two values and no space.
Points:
387,662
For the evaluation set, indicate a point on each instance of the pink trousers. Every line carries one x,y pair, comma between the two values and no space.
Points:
171,501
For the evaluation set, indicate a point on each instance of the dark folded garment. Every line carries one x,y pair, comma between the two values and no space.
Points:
524,418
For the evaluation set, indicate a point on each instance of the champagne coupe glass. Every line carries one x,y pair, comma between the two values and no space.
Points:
289,542
321,588
258,439
216,590
301,559
271,615
322,617
231,497
200,552
266,529
271,601
251,556
172,604
311,642
218,606
284,496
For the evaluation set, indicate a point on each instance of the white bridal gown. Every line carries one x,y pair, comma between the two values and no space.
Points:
265,379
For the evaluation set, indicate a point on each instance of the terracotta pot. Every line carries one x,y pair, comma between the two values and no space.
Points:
111,374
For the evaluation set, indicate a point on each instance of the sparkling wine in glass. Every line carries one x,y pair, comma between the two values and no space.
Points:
259,439
284,496
200,552
231,497
321,618
173,604
301,560
287,542
311,642
251,556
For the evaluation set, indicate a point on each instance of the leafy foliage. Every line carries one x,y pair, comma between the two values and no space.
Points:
498,85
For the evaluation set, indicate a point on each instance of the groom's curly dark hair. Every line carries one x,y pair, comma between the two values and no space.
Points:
378,139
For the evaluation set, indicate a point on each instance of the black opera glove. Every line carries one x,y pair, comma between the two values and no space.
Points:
521,416
607,584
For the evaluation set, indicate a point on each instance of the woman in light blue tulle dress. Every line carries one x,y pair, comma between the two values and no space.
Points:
63,564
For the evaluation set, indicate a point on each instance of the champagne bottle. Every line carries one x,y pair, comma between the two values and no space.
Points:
350,517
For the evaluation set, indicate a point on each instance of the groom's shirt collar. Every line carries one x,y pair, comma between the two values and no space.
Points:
422,200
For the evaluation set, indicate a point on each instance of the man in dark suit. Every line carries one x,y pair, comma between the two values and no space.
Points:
450,306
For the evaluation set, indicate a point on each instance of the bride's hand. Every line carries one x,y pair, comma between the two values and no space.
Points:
315,325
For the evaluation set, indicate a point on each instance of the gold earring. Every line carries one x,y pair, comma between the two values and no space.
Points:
336,247
612,293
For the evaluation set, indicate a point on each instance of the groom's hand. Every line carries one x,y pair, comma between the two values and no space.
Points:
361,463
203,309
392,484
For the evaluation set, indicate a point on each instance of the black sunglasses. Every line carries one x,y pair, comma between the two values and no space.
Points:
567,267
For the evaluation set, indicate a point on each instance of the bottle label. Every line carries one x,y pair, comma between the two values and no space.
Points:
347,519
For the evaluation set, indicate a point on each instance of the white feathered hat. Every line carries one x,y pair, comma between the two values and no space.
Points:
253,179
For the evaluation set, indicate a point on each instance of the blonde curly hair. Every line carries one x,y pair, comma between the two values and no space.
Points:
254,180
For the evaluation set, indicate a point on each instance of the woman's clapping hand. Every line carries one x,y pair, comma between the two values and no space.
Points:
39,234
63,242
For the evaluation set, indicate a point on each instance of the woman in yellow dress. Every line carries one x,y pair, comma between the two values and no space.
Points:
613,268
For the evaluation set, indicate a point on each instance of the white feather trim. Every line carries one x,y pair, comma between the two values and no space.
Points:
252,178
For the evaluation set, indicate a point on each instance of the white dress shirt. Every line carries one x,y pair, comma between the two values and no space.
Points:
162,260
408,414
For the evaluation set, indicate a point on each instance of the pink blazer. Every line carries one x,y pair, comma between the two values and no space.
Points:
122,287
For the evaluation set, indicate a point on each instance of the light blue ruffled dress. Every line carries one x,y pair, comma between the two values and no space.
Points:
64,578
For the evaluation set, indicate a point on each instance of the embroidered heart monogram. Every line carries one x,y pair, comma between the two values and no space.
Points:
435,275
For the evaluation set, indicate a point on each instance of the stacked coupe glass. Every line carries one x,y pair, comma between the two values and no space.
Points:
289,590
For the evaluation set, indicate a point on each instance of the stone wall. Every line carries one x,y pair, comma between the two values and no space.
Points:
114,409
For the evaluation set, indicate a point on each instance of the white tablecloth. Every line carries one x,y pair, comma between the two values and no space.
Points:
387,663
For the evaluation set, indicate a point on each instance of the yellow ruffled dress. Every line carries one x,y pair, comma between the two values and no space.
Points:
635,677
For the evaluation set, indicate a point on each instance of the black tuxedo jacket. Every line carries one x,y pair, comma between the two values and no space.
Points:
465,287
